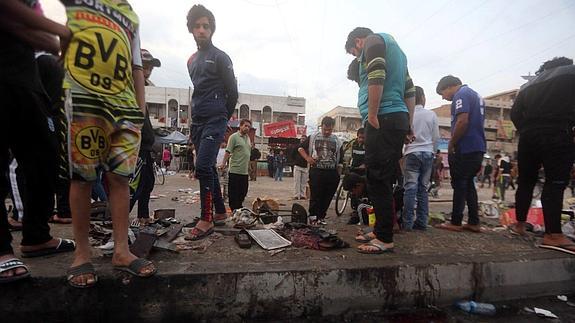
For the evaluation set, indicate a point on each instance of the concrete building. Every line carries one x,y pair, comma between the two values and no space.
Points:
500,133
347,119
170,108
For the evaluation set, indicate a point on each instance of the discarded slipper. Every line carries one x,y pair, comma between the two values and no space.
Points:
136,266
364,238
377,248
243,239
83,269
65,245
11,264
198,234
567,248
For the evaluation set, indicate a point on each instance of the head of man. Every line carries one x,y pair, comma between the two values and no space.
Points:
355,184
353,71
361,135
149,63
245,126
303,138
327,124
419,96
356,40
448,86
202,25
553,63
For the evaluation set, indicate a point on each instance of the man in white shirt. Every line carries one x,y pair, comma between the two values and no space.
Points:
222,171
418,164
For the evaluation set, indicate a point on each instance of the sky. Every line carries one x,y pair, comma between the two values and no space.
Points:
296,47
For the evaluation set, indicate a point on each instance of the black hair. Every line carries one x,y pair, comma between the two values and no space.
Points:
360,131
555,62
328,122
447,81
353,71
359,32
351,180
198,11
244,121
419,95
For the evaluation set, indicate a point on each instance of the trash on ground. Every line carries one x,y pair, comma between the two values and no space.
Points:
562,298
269,239
305,236
476,308
544,313
199,245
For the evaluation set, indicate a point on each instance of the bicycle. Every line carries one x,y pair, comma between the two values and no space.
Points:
342,198
159,173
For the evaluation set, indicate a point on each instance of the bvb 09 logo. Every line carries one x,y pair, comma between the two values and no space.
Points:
98,60
91,142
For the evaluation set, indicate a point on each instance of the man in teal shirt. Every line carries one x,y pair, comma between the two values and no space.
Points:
386,101
238,154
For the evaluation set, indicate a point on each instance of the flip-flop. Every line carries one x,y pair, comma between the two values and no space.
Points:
198,234
65,245
83,269
562,247
365,238
380,248
136,266
10,264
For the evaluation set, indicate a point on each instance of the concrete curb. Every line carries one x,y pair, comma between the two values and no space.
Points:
277,294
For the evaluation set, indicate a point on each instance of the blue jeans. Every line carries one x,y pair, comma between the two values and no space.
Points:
279,173
416,182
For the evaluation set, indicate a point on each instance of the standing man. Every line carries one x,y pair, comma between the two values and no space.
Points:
300,173
255,155
238,155
544,115
357,166
213,102
324,158
466,149
142,183
418,164
386,102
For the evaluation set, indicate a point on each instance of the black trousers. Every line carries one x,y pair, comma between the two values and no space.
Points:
554,150
237,190
145,185
383,149
21,107
463,167
322,186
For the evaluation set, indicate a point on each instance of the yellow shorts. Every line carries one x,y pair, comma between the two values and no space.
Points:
101,136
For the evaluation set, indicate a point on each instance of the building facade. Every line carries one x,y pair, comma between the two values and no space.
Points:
347,119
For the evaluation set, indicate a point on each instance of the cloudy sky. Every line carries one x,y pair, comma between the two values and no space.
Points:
296,47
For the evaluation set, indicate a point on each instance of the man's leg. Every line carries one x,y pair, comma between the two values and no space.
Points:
422,187
411,175
297,181
147,181
459,185
473,164
243,187
219,205
315,193
80,206
529,161
233,191
330,181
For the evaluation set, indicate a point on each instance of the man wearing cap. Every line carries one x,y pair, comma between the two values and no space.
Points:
149,63
466,149
142,183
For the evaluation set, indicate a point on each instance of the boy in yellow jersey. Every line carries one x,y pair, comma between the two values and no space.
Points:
104,86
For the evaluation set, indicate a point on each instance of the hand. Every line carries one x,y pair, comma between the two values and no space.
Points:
373,121
65,38
310,161
410,137
450,148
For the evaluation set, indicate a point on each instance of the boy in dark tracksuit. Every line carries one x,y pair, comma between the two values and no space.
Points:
213,102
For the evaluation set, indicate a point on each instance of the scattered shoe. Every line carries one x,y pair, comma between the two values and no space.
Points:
11,264
83,269
136,266
64,245
198,234
243,239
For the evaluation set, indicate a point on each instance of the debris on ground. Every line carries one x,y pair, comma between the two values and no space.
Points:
544,313
199,245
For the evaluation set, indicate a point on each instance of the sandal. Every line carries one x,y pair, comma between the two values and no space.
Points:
364,238
136,266
11,264
198,234
83,269
379,248
243,239
65,245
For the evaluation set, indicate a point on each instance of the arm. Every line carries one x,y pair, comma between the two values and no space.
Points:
140,87
460,130
226,71
376,73
14,10
39,40
409,99
225,161
517,111
435,135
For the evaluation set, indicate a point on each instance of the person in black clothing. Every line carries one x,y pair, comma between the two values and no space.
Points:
270,159
504,176
300,173
544,115
142,183
213,102
24,102
357,166
255,155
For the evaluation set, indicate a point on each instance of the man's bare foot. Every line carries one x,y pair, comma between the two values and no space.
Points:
49,244
124,260
83,280
375,246
472,227
19,271
365,237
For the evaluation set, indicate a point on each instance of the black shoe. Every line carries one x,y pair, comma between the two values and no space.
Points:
354,219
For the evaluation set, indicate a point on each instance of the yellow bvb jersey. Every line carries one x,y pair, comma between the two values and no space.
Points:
99,58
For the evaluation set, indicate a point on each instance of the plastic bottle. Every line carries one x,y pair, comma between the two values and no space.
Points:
476,308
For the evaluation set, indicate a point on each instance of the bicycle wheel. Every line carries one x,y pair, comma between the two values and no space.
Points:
341,199
160,176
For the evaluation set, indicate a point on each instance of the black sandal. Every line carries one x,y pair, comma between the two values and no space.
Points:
83,269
